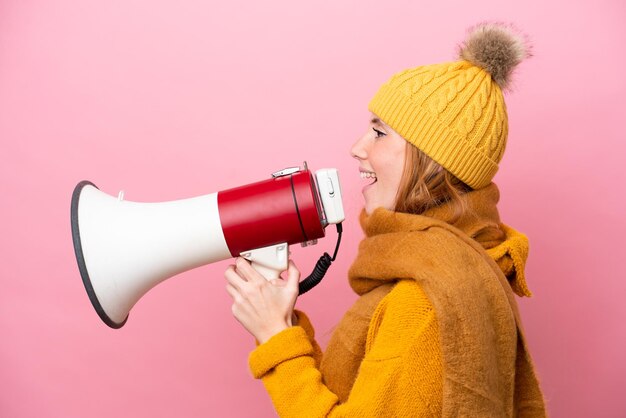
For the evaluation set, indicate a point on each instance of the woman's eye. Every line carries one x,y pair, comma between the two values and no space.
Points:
378,133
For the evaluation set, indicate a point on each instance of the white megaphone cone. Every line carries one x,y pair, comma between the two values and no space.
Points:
125,248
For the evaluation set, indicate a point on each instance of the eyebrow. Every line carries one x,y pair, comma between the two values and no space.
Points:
376,121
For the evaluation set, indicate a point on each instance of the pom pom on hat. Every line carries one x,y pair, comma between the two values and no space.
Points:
497,48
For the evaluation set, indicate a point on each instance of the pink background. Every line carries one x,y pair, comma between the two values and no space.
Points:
168,100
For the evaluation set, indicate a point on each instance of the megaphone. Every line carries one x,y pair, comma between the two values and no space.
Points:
125,248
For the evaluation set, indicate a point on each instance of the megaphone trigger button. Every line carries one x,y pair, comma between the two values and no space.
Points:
331,189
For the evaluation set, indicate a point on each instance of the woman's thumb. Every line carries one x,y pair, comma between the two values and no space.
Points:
293,275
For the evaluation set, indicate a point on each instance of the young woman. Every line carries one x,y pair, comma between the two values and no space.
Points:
436,330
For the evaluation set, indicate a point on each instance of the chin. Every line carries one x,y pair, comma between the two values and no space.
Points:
375,200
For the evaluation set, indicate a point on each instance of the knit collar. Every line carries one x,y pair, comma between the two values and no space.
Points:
505,245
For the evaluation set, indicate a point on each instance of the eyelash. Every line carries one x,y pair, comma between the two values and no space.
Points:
378,132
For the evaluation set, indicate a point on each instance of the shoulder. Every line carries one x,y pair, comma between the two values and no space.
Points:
401,318
440,240
456,262
407,300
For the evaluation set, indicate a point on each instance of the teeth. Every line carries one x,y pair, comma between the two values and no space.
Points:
367,175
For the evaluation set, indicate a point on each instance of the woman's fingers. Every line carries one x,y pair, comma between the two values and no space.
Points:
245,268
234,278
233,292
241,306
261,308
247,289
293,275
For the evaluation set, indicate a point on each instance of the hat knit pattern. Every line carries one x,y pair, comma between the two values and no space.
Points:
455,112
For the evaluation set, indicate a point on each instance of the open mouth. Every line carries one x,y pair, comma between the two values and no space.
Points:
369,175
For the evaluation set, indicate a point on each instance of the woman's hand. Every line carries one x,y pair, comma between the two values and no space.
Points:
263,307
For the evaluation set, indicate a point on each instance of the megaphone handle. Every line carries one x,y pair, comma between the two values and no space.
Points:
269,261
265,271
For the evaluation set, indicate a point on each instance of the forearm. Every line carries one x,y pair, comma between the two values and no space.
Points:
302,320
289,373
288,369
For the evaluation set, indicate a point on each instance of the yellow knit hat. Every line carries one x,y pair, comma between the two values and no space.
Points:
455,112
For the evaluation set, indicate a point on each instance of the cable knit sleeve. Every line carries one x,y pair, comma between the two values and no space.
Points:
400,375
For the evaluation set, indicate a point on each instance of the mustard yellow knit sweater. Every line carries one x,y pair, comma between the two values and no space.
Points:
396,353
289,365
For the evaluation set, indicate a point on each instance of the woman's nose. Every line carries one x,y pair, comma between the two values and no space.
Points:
358,151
